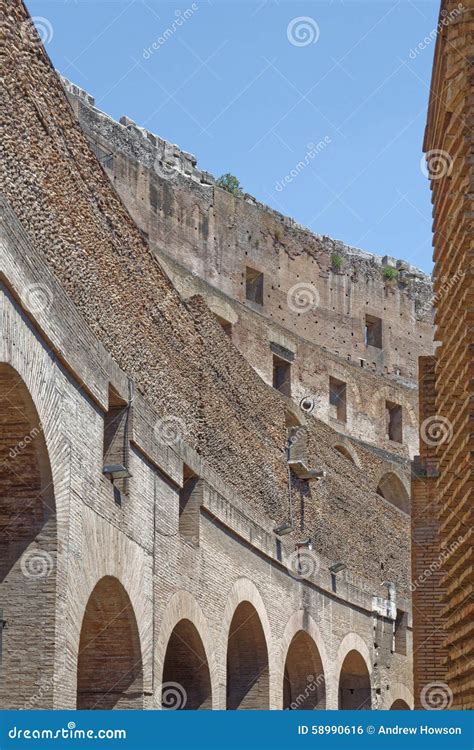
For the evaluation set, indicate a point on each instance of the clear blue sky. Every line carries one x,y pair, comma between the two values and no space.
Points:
231,86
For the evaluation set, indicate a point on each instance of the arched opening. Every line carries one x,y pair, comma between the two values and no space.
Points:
28,546
354,683
344,452
399,705
109,666
392,489
303,682
186,680
247,661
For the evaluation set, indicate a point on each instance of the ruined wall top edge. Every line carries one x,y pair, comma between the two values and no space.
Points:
154,152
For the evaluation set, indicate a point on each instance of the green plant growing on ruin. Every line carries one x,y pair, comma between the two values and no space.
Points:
336,261
230,183
390,273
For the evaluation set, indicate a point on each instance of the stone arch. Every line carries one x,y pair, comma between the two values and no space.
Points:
345,450
109,664
185,655
304,675
391,487
354,674
222,310
28,550
399,705
304,664
400,698
186,678
249,649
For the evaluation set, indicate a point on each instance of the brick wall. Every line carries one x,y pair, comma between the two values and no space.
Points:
206,239
196,403
449,147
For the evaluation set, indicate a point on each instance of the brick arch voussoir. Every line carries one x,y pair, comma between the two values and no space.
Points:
183,606
244,590
351,642
398,691
300,621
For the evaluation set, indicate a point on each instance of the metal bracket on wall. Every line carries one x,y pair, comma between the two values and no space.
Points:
303,472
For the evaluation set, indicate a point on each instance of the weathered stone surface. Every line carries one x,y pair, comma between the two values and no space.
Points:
204,238
88,312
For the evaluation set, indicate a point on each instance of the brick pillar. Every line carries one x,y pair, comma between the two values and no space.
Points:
427,591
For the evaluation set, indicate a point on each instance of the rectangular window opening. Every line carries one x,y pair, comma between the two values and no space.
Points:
394,421
282,375
116,446
337,399
373,331
254,285
190,500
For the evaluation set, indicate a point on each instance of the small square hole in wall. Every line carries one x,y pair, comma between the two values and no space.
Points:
373,331
337,399
282,375
394,421
253,285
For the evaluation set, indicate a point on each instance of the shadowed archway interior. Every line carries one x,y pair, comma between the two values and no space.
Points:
247,661
109,667
28,545
186,680
399,705
391,488
303,682
344,452
354,683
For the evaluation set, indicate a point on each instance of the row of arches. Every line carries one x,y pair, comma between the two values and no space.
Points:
109,659
110,672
